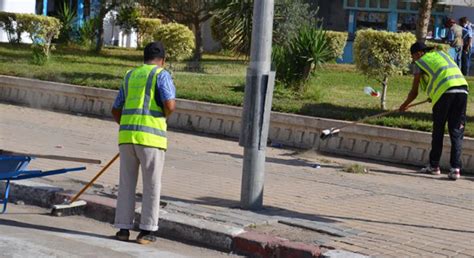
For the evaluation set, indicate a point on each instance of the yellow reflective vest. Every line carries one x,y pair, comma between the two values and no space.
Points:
143,121
441,73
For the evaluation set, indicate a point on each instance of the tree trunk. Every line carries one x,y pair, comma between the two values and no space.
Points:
384,93
424,15
100,28
198,41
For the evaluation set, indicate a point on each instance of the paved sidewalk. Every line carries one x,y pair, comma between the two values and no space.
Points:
396,211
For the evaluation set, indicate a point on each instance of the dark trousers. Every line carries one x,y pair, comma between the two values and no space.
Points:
456,55
466,62
451,108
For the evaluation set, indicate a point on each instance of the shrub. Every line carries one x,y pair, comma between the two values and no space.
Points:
336,41
146,27
177,38
41,30
380,55
87,33
39,56
296,61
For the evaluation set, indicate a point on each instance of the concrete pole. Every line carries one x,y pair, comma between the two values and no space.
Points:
257,106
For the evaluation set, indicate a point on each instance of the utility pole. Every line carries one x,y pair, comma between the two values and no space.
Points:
257,106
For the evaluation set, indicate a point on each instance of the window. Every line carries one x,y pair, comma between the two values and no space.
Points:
402,5
384,4
407,22
414,6
373,20
362,3
373,3
351,3
439,8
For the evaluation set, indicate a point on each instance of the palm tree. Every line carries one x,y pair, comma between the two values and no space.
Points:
233,22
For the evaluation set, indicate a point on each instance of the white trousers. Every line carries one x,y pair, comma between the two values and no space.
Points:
151,161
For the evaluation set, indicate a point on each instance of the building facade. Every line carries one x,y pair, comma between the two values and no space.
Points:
390,15
338,15
16,6
85,9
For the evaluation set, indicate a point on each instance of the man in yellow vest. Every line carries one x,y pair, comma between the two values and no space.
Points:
439,76
145,99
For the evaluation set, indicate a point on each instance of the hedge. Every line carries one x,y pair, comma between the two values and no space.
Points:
177,38
336,41
381,53
41,30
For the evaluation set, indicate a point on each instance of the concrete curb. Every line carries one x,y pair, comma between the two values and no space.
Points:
212,234
255,244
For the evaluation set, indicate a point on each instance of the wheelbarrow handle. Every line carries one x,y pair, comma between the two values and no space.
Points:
55,157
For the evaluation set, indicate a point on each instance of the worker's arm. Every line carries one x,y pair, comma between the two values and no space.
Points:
117,114
118,105
166,93
169,107
413,92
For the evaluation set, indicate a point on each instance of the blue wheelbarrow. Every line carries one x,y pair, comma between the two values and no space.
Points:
14,167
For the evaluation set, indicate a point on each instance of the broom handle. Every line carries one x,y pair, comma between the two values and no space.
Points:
95,178
381,114
55,157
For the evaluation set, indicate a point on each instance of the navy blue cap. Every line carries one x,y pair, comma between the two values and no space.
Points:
154,50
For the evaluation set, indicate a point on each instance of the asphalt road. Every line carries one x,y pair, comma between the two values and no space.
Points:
28,231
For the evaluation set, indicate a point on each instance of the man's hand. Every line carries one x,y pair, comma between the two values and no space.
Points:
117,114
169,107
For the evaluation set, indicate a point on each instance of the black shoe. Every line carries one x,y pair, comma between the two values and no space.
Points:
123,235
146,237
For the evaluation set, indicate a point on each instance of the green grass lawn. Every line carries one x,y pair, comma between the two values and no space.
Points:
336,91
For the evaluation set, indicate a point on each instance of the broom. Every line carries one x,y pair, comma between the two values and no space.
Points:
74,207
328,133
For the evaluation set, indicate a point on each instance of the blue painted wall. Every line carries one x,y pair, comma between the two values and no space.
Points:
393,13
45,7
80,13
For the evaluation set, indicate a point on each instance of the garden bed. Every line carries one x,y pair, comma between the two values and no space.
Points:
336,92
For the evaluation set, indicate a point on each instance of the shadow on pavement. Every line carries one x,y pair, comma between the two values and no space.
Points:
297,162
267,210
14,223
276,211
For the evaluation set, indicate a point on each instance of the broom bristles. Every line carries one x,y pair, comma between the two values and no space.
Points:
74,208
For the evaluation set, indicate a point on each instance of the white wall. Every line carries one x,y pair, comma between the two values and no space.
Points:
113,35
16,6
